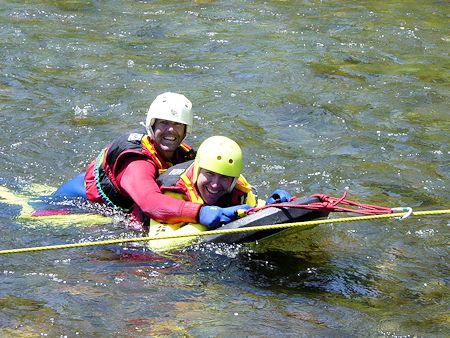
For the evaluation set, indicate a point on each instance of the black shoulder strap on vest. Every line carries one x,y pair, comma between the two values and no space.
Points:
170,177
130,141
190,155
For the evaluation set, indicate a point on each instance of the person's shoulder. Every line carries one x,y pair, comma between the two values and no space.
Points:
170,177
131,139
134,135
185,153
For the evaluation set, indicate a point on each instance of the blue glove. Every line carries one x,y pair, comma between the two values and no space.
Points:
279,196
214,217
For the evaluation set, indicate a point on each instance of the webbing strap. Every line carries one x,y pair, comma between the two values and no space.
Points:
332,204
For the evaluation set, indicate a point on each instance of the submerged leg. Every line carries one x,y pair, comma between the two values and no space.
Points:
65,200
72,188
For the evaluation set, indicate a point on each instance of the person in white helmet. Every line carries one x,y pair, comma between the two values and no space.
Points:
123,174
169,120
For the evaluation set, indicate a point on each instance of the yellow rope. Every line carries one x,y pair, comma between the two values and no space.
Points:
307,224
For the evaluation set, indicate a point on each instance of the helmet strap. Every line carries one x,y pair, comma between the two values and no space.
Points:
151,133
230,189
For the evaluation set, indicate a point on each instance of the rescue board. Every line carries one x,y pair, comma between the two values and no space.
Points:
61,218
271,215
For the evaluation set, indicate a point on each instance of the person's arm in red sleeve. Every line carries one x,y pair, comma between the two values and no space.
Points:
136,177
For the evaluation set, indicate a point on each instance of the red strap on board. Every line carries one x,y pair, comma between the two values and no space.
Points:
332,204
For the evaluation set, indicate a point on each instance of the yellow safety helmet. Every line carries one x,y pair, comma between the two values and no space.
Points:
221,155
171,107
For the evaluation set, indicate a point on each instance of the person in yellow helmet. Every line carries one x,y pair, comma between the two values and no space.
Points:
214,180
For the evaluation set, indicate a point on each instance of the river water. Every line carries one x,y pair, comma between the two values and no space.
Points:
323,96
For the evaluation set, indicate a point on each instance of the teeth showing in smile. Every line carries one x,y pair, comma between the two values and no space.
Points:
212,191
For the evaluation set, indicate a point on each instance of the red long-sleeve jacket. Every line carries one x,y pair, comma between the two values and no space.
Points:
136,177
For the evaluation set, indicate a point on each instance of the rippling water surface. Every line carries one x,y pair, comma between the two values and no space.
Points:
323,96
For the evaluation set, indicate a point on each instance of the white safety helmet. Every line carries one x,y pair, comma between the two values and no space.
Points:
171,107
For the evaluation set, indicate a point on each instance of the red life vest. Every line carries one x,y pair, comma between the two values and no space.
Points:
100,178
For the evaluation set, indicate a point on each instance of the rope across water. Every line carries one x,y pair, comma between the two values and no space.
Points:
307,224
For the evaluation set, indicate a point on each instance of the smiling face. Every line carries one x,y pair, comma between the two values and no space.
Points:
168,136
212,186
